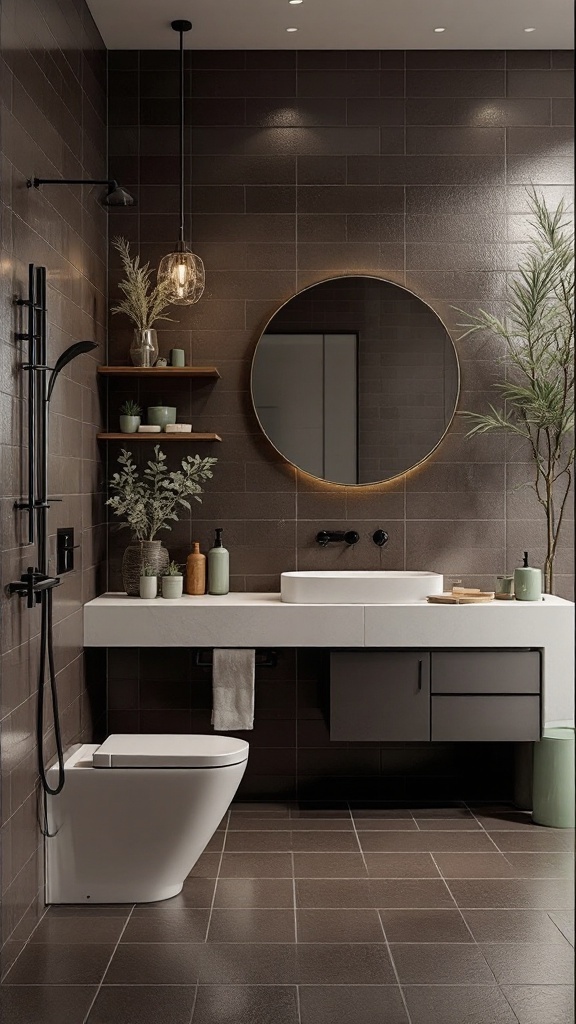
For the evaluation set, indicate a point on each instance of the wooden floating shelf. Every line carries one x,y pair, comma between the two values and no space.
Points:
158,371
159,437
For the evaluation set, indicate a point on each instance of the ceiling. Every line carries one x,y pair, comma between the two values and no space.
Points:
338,24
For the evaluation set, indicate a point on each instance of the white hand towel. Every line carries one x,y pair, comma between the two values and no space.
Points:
233,688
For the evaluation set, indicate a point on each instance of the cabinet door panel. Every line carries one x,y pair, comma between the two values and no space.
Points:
485,672
491,719
380,696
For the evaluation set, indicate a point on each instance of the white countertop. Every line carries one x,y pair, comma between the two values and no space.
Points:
263,620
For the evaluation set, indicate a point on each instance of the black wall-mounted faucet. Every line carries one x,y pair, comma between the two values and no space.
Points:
380,537
334,536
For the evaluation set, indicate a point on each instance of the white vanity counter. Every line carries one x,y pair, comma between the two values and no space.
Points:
263,620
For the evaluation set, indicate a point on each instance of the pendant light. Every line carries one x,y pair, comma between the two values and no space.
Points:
181,270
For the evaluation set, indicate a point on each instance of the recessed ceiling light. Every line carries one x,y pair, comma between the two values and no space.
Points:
529,29
291,29
295,1
439,29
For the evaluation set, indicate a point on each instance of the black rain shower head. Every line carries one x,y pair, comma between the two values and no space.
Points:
70,353
115,196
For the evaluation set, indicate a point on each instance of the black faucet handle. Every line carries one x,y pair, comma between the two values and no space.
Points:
325,537
380,537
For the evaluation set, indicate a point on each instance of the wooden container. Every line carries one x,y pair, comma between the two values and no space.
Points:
196,571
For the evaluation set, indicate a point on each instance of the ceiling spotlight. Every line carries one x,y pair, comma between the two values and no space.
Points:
291,29
295,1
440,29
529,29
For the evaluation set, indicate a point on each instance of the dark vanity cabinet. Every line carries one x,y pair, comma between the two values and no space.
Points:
443,696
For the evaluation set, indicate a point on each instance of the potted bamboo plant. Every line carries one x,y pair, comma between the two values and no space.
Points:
538,371
147,504
143,304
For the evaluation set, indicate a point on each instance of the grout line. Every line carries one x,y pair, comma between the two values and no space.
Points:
217,876
486,833
108,965
394,968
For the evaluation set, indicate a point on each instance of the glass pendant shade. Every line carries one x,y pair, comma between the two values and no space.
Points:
183,274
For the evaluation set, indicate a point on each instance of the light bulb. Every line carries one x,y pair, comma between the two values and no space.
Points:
183,275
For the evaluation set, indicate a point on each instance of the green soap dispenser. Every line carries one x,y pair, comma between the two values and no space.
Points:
218,567
527,582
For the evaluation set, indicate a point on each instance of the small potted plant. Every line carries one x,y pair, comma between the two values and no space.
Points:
130,413
148,582
143,304
172,581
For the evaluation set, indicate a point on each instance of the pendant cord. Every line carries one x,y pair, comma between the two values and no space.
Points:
181,136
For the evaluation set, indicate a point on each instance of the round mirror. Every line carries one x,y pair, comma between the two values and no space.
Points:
355,380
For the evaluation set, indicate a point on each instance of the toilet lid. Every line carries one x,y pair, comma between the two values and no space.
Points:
169,751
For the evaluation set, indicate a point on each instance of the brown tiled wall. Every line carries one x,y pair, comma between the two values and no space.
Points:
53,125
412,167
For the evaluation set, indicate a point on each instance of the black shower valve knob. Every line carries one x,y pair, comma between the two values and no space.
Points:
380,537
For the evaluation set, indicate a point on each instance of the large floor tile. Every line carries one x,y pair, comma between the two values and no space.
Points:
167,926
410,894
343,964
534,841
329,865
462,824
425,926
512,893
333,893
60,964
513,926
555,864
196,893
254,925
207,866
564,921
256,865
45,1004
442,964
375,811
530,963
143,1004
154,963
351,1004
54,928
245,963
328,840
401,865
457,1004
266,1004
254,892
257,809
306,823
339,926
434,842
387,824
541,1004
474,865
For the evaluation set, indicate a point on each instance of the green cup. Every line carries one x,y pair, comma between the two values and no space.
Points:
160,415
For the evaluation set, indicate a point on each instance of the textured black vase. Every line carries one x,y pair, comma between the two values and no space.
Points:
136,556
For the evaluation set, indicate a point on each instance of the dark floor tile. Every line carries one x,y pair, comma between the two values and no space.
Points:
564,921
457,1004
154,963
401,865
512,926
60,964
261,842
431,810
206,866
343,964
325,841
323,809
56,929
546,841
351,1004
464,824
143,1004
505,819
541,1004
541,865
512,893
424,926
254,892
530,963
407,893
196,893
243,823
245,963
434,842
387,825
167,926
266,1004
253,925
339,926
45,1004
257,809
256,865
447,963
329,865
333,893
474,865
84,910
370,812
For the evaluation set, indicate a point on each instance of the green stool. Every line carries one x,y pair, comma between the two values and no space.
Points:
553,784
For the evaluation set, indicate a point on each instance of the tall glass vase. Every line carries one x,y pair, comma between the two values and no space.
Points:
144,347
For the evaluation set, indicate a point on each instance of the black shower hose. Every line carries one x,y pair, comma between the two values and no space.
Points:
47,652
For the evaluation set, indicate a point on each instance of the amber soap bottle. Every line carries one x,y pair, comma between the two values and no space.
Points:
196,571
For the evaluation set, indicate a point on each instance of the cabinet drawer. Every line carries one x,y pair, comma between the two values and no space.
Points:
490,719
486,672
380,696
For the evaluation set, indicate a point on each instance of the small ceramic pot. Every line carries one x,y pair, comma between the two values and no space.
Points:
160,415
129,424
148,587
146,552
177,357
172,586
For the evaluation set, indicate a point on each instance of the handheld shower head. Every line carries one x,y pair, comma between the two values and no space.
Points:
67,356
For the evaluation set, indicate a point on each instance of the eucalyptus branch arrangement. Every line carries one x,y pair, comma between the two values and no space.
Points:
142,303
538,389
147,504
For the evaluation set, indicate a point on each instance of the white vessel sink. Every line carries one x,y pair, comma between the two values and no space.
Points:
358,587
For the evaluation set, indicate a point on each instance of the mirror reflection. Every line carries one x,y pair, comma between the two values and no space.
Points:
355,380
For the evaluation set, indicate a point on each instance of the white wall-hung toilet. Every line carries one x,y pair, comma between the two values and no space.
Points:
135,814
